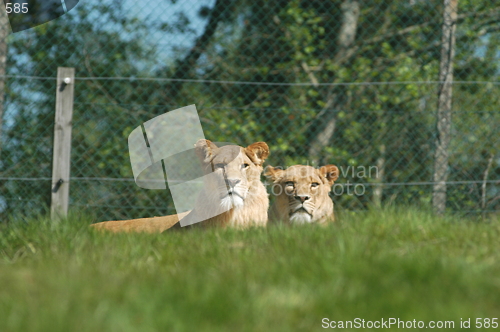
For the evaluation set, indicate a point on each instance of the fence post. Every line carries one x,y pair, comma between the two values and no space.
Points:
62,142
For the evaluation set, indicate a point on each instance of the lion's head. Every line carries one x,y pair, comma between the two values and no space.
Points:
302,193
233,193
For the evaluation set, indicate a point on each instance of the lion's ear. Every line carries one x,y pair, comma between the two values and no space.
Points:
273,173
257,152
330,172
205,149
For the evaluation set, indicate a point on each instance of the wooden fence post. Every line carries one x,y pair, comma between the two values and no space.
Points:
62,142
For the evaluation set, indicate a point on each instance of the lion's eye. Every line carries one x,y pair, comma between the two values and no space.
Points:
289,184
244,166
219,165
314,184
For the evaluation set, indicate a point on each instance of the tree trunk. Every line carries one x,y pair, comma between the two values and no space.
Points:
444,106
4,32
483,187
326,121
379,178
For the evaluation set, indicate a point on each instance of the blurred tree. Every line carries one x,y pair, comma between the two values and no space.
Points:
99,40
349,114
339,42
4,32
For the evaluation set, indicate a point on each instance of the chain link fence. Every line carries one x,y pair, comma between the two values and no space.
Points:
350,83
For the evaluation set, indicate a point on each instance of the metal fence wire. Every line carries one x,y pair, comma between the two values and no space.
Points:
345,82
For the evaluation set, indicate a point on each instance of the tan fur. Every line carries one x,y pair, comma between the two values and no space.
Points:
145,225
248,203
302,194
253,211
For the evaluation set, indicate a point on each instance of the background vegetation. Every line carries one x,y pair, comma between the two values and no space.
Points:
380,111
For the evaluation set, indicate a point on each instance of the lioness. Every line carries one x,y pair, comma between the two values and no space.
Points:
302,194
233,194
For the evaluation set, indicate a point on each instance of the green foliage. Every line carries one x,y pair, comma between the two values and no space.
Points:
104,111
376,92
297,41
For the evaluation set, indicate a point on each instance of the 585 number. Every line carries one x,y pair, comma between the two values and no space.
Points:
486,323
16,8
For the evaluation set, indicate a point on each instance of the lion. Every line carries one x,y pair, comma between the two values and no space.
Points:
233,194
302,194
146,225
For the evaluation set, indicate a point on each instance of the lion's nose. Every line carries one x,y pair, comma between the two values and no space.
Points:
232,182
302,198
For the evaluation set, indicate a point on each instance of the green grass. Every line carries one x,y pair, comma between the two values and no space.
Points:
401,263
